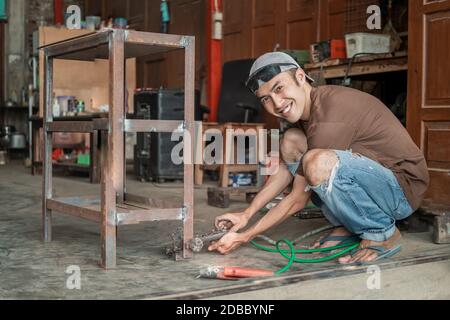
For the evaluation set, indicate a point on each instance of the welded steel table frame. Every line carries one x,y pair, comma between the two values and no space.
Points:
94,166
116,207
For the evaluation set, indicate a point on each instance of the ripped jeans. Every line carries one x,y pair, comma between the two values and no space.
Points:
361,195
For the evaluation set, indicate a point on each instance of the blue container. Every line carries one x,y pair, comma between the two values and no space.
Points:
241,179
3,15
120,23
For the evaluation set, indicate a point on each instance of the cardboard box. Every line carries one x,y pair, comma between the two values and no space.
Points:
360,42
68,140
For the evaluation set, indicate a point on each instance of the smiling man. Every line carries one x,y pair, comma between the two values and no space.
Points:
362,168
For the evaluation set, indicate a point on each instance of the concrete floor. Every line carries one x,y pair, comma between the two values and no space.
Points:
30,269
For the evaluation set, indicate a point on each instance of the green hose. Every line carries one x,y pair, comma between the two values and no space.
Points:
291,258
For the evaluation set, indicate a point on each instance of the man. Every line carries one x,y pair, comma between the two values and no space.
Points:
362,167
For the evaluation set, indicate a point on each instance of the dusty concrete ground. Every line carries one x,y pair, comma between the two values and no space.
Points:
30,269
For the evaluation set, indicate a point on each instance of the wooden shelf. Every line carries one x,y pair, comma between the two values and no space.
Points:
372,64
94,46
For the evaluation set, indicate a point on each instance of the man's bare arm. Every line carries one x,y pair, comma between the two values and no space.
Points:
291,204
273,187
295,201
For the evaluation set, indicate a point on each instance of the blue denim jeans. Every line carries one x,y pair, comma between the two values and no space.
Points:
361,195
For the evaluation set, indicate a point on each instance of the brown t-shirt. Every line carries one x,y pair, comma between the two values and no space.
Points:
347,119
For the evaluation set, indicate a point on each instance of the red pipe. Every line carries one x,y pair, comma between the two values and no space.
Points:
58,12
214,62
238,272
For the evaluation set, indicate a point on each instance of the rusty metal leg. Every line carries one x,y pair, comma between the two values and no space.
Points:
33,147
117,111
113,152
224,172
124,165
229,155
47,187
199,147
108,209
189,74
94,165
198,174
47,153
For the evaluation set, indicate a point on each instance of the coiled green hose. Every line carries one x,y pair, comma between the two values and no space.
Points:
292,251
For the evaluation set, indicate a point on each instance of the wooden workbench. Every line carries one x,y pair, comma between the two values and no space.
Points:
371,64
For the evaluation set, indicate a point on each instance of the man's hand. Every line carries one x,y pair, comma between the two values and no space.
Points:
232,221
228,242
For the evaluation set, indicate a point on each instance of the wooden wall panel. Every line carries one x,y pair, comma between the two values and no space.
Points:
234,47
335,20
119,9
264,39
299,10
436,144
94,8
437,88
302,6
263,12
152,16
132,10
136,14
300,34
234,13
252,27
439,145
336,28
236,30
438,188
299,24
187,17
153,72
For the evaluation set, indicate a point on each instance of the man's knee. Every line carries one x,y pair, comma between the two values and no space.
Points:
288,153
293,144
318,164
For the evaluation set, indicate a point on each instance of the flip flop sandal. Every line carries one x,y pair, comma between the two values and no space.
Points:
383,253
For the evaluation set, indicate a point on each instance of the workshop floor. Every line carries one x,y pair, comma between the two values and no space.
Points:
30,269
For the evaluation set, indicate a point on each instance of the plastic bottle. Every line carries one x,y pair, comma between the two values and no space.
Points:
80,106
14,97
56,108
165,16
23,97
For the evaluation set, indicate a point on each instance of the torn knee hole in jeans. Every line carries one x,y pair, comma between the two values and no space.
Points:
330,180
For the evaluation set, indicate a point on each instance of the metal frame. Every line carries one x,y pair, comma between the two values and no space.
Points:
116,207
